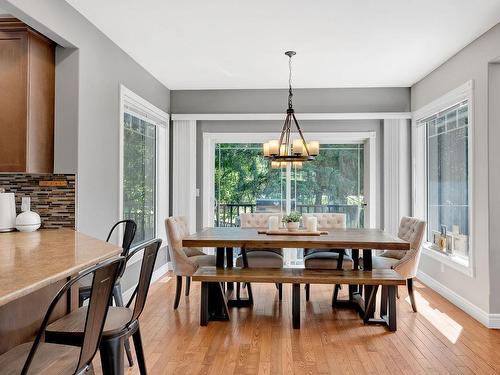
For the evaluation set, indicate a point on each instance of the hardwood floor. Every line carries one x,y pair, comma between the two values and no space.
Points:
439,339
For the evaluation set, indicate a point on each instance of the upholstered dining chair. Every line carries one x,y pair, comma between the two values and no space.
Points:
185,260
405,262
260,258
327,258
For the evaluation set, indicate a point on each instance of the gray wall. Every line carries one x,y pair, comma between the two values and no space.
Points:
89,72
273,127
358,100
391,99
472,63
494,168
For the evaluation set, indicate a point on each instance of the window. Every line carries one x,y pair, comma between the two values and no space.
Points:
334,182
143,165
139,175
443,163
239,179
245,182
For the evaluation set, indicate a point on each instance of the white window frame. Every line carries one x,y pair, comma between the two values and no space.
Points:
161,120
419,171
370,165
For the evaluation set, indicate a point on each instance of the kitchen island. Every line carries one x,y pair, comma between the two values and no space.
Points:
33,267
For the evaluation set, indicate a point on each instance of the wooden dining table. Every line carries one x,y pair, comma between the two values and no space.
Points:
361,241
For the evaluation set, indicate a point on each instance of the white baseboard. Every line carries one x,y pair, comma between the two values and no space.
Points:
157,274
489,320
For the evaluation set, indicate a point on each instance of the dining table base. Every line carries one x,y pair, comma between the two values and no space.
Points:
218,297
213,303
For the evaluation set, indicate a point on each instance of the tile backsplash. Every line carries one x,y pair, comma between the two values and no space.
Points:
52,196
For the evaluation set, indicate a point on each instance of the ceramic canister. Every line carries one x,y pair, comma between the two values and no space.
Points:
7,212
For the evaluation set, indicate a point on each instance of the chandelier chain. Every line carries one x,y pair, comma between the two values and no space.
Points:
290,93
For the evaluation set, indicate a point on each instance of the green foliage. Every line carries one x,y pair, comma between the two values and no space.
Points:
139,169
242,175
292,217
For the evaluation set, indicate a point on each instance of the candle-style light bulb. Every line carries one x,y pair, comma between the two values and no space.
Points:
273,147
265,148
298,146
313,148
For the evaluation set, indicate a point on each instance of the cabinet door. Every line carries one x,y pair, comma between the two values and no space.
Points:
13,101
41,76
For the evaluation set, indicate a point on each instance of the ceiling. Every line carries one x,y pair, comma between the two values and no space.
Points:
224,44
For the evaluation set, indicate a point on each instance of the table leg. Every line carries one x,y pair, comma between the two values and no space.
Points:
296,306
213,298
383,301
219,257
213,304
238,302
248,285
371,300
229,264
367,266
392,308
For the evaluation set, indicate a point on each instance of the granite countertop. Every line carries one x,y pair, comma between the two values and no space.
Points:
31,261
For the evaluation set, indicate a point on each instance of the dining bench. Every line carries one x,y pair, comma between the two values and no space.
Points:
211,278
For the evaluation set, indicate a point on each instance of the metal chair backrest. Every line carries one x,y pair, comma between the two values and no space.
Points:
128,234
105,275
148,262
128,238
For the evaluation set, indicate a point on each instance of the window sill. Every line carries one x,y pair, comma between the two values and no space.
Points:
458,263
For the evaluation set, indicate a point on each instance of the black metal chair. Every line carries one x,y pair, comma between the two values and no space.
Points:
45,358
84,291
121,323
128,238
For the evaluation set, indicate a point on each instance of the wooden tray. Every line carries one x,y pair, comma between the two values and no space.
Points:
286,232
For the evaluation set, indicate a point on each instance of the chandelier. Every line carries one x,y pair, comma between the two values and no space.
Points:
285,150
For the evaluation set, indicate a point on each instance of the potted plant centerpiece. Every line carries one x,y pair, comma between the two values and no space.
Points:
292,221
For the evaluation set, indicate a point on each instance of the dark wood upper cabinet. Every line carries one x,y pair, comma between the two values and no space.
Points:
27,85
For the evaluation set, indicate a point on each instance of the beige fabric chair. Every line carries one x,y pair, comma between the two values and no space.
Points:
325,258
260,258
405,262
185,261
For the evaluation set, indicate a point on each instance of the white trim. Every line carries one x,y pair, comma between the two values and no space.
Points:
370,176
300,116
157,274
419,167
396,173
184,170
462,92
162,139
210,140
489,320
447,259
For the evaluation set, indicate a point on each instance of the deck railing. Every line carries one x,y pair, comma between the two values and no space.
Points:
227,214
